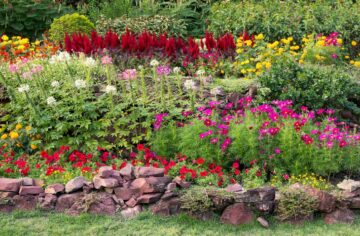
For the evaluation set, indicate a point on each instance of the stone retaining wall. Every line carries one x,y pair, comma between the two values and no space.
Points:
128,190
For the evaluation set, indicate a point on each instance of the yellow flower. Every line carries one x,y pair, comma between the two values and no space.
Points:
18,126
4,136
301,61
238,51
33,147
259,37
37,42
28,128
347,57
339,41
14,135
352,62
290,39
353,43
248,43
5,38
267,65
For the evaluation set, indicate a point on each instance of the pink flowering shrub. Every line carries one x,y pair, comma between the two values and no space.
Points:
274,136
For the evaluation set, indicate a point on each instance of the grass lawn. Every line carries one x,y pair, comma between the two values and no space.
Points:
38,223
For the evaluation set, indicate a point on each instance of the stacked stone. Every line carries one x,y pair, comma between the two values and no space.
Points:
110,191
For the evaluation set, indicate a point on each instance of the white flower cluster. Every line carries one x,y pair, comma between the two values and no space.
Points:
190,84
55,84
61,57
200,72
110,89
154,63
24,88
79,83
176,70
90,62
51,101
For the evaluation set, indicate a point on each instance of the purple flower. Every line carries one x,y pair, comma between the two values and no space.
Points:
128,74
205,134
277,150
225,144
158,120
163,70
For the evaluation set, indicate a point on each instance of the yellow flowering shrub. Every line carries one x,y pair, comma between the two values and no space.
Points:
312,180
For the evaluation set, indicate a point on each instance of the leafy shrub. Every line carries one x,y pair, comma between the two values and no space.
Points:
275,137
153,24
69,24
314,86
197,200
28,18
311,180
281,19
295,205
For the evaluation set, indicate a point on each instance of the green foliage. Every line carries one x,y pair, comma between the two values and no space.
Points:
69,24
197,200
28,18
309,85
279,19
250,179
153,24
295,204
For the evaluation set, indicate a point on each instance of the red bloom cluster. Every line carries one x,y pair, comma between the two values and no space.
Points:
150,45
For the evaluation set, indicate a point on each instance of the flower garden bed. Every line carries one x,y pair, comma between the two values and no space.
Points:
243,126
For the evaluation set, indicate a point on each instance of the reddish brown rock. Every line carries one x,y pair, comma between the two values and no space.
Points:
349,185
181,183
66,201
339,216
131,203
26,181
105,183
55,189
106,171
131,212
265,206
171,186
143,172
104,204
39,182
326,201
157,184
7,207
75,184
127,172
30,190
127,193
233,188
10,185
47,202
264,223
168,195
25,203
149,198
355,203
237,214
263,194
167,207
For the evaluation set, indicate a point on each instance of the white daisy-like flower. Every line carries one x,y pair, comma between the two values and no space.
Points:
79,83
110,89
51,101
55,84
140,67
24,88
154,63
89,62
200,72
61,57
190,84
177,69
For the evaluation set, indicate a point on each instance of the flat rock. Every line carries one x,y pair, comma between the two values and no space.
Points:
167,207
127,193
143,172
47,202
30,190
127,172
55,189
105,183
75,184
66,201
10,185
103,205
106,171
233,188
339,216
25,203
237,214
149,198
26,181
349,185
